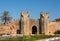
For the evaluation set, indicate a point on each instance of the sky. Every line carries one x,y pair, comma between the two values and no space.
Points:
14,7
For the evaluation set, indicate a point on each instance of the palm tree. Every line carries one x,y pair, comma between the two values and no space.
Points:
5,18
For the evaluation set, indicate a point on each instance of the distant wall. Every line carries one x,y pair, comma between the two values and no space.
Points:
53,26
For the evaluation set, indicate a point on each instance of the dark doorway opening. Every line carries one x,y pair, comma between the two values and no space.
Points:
34,30
18,31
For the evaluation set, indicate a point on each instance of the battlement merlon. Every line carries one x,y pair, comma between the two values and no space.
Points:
23,13
45,14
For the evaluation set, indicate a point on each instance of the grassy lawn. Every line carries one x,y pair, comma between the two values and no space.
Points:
29,38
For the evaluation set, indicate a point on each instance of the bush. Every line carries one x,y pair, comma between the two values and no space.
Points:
57,32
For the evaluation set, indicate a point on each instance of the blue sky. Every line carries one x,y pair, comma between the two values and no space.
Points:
33,6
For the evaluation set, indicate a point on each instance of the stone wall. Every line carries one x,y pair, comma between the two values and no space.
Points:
53,26
25,25
10,28
34,22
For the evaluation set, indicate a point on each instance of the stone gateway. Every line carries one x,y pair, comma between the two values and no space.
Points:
28,26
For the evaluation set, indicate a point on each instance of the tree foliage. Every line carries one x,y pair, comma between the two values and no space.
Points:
57,32
57,19
5,18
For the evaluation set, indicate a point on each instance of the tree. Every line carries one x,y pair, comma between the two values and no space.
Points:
5,18
58,19
57,32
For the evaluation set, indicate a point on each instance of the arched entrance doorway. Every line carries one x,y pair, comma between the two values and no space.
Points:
34,30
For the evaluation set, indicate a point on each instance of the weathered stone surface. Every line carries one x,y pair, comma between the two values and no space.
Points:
28,26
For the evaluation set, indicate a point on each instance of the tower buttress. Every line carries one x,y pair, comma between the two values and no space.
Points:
25,23
44,18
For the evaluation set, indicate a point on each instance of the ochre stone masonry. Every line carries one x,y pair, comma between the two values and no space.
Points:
28,26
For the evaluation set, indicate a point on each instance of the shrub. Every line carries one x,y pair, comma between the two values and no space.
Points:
57,32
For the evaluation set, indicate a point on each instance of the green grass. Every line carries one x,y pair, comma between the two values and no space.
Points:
29,38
